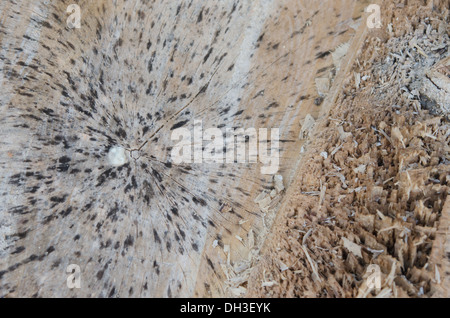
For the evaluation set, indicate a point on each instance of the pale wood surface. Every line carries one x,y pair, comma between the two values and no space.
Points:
132,71
440,255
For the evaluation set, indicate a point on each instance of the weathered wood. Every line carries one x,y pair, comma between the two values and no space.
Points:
440,253
136,223
311,250
130,73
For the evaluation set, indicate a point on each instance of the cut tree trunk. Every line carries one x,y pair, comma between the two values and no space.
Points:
87,173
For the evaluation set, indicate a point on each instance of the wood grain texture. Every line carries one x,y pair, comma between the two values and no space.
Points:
127,77
440,255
